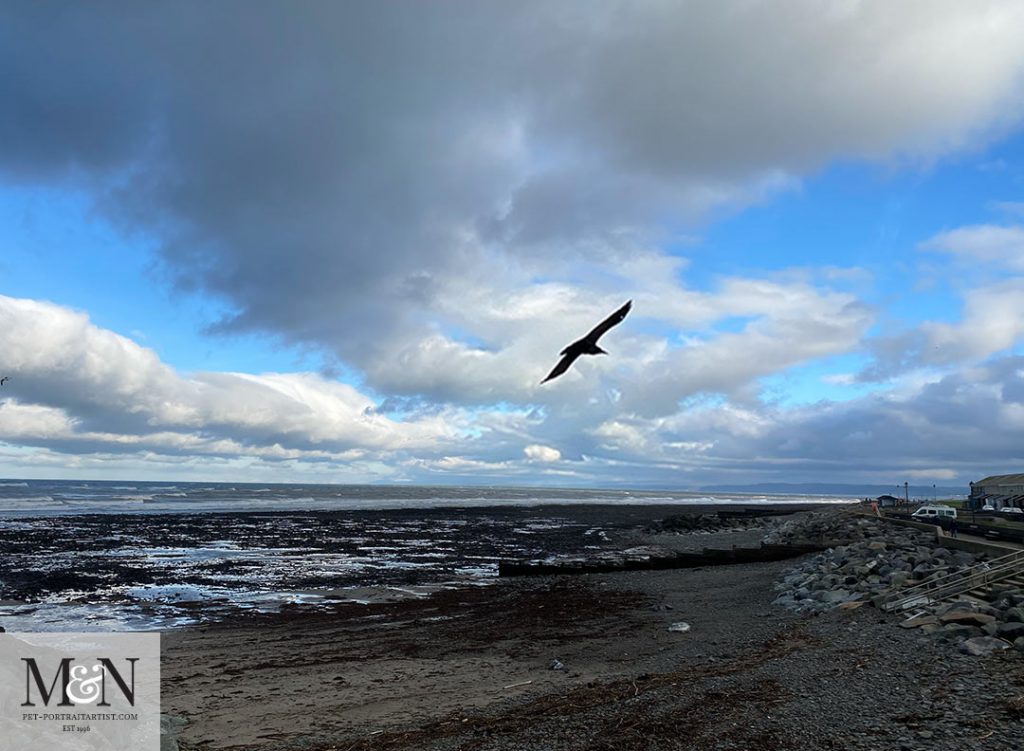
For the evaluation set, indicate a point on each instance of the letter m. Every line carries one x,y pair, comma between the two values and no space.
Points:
32,671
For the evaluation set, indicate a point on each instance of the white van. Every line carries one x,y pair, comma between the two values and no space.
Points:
935,512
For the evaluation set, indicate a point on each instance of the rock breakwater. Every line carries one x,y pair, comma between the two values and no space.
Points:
870,558
688,524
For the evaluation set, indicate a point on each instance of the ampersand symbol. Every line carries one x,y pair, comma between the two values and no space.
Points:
89,686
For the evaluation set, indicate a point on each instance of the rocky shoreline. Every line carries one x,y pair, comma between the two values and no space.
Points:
871,559
592,662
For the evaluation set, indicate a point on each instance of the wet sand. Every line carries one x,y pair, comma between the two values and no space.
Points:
295,678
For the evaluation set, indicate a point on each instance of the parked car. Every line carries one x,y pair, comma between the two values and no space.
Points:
1010,510
988,507
926,513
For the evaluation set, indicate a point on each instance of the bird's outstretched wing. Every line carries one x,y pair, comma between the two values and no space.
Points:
562,366
613,320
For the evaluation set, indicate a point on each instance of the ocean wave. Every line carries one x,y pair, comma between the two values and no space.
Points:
13,484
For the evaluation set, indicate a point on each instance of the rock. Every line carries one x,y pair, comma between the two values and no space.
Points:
679,627
1015,614
1018,644
922,620
851,605
171,726
971,619
556,664
983,645
900,578
1011,630
959,606
837,595
960,631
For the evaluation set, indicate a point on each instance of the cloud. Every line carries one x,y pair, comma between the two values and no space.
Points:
71,381
442,201
992,321
1011,208
98,400
536,452
339,176
999,245
938,473
957,427
988,262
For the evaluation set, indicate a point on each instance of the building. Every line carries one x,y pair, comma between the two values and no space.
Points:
998,491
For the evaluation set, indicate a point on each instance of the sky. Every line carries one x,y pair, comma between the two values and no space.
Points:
344,242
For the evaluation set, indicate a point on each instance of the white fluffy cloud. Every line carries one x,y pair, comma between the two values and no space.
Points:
71,381
538,453
86,394
1001,245
992,321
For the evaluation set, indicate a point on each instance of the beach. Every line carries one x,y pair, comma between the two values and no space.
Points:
475,669
394,657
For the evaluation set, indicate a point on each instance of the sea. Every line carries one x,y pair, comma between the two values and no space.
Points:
126,555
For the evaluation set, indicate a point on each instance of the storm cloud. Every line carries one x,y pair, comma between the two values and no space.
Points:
337,171
439,197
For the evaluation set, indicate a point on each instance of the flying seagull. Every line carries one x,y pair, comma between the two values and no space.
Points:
588,344
4,380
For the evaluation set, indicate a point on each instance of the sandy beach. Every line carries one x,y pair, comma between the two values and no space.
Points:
472,669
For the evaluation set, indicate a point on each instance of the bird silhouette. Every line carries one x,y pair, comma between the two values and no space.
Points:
4,380
588,344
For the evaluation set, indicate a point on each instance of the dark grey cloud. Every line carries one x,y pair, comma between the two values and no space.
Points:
308,166
332,169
